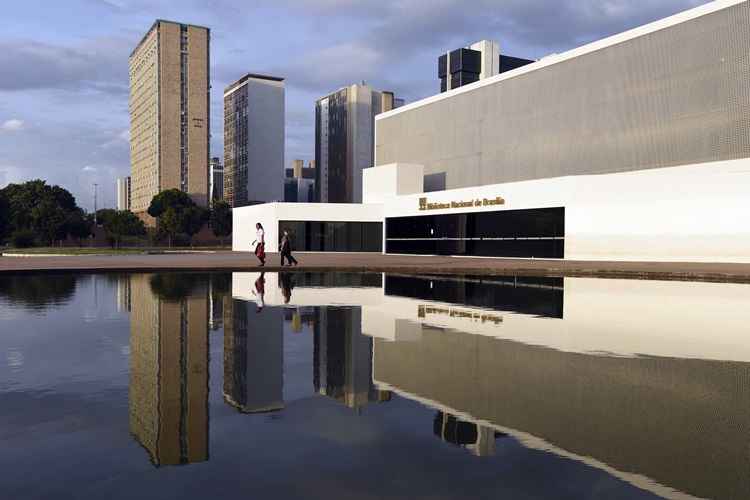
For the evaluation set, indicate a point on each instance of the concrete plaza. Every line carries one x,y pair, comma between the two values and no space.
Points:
367,262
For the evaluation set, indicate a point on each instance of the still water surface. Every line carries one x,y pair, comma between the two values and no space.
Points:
372,386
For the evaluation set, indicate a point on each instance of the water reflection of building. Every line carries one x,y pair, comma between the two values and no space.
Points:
168,392
636,418
123,293
216,307
253,357
342,365
477,438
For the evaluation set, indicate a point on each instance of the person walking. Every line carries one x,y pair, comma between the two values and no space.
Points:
286,250
260,243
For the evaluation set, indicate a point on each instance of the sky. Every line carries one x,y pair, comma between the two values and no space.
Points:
64,79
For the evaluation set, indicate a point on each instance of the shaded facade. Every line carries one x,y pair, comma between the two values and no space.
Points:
169,113
299,183
168,390
478,61
342,365
344,129
633,417
668,94
216,180
254,140
253,357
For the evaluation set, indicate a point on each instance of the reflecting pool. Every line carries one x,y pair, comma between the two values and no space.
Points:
292,385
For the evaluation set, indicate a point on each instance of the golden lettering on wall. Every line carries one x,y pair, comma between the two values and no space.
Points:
478,202
423,311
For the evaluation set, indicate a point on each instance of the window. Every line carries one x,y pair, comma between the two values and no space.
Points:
334,236
507,233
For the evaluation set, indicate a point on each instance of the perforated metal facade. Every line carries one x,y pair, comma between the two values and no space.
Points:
679,95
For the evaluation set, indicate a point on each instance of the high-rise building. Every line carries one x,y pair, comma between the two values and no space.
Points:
254,140
299,183
344,128
215,180
168,391
169,113
123,193
470,64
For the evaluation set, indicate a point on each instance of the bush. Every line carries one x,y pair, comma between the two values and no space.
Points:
181,240
23,238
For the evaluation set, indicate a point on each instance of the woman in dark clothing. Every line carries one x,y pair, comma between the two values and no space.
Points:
286,250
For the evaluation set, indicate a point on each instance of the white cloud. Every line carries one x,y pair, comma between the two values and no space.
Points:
9,174
89,168
125,135
12,125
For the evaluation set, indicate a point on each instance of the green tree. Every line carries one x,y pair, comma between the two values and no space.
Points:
177,214
4,217
194,218
22,198
221,220
49,221
78,225
123,223
48,211
171,198
104,215
171,223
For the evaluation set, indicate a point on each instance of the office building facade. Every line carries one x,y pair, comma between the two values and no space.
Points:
254,140
476,62
344,129
123,187
299,183
169,113
215,180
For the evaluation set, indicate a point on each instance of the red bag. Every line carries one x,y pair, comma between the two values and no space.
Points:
260,251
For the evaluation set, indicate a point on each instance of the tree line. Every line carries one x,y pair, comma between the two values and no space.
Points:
35,213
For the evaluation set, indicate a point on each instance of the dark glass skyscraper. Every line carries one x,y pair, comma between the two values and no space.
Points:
344,138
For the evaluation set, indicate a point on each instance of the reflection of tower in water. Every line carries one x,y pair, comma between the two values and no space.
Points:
123,294
168,394
342,363
253,357
478,439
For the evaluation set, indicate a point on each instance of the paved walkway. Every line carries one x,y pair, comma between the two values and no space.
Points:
237,261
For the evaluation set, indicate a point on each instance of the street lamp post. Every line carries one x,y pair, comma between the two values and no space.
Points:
95,222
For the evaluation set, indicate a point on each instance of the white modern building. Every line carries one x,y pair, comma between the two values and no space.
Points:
635,147
123,187
254,140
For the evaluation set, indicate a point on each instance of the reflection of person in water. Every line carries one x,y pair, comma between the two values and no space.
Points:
260,291
286,283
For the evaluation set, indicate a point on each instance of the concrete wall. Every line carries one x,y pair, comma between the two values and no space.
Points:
269,215
385,182
671,93
690,213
